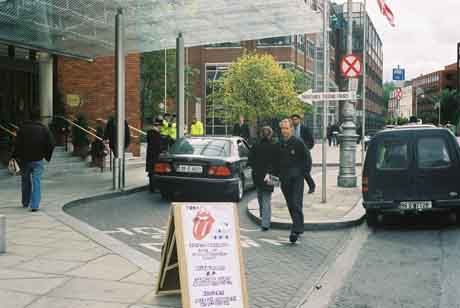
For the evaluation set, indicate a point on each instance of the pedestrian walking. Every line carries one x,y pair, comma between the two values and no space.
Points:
98,151
153,151
34,143
329,134
303,133
263,159
241,129
295,162
335,134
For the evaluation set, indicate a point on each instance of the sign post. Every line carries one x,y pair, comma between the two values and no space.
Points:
202,256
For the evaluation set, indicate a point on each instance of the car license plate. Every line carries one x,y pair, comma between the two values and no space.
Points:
189,169
415,205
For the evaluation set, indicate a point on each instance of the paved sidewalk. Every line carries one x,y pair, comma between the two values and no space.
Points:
343,207
56,261
333,155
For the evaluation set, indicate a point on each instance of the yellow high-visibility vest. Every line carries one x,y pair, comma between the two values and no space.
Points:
197,129
172,131
164,129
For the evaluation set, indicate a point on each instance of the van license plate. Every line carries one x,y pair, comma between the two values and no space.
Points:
415,205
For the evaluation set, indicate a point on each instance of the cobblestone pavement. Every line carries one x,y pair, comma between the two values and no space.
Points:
410,262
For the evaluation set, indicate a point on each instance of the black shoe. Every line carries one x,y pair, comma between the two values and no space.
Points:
264,229
25,206
33,210
311,190
293,237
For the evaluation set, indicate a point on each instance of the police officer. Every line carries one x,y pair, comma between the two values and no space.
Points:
172,130
154,149
295,162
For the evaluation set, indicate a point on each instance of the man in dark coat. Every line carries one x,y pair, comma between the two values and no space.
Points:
153,151
295,162
264,159
34,143
111,135
241,129
303,132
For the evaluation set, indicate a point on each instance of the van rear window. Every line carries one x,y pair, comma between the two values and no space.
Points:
392,155
432,153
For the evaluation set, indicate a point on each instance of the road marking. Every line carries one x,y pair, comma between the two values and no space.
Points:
143,230
120,230
270,241
333,277
152,246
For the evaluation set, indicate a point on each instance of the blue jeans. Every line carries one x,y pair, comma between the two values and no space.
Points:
31,177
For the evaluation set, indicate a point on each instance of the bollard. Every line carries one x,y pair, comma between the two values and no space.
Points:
2,234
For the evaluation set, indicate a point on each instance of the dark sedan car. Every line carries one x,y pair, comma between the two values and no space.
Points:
205,166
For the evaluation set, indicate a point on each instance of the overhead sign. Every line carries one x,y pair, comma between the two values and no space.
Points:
308,97
202,256
399,74
351,66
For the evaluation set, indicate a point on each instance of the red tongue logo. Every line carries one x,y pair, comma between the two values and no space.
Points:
202,224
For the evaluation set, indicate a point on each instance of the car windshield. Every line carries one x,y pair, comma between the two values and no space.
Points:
202,146
432,153
392,155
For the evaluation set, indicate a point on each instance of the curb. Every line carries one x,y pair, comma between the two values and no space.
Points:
130,254
353,218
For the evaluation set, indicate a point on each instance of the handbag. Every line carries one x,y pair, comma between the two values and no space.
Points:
13,166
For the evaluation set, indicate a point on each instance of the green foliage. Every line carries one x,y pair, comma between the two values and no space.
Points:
153,77
450,106
259,88
79,137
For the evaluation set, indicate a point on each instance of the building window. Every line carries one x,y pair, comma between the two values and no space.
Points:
301,42
276,41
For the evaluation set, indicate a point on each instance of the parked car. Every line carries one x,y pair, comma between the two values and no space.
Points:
206,166
412,168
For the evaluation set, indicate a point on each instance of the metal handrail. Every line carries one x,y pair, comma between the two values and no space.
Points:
14,126
131,127
79,127
8,131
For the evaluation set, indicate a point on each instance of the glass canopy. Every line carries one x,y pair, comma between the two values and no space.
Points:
86,28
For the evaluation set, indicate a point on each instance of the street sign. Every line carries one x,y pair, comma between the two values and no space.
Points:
399,74
308,97
351,66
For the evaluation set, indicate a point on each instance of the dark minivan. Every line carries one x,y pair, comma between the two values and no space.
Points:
412,168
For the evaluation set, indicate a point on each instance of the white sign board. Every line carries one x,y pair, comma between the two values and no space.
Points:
307,97
208,239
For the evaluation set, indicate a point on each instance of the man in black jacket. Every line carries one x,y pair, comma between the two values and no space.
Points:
241,129
295,162
111,135
33,144
302,132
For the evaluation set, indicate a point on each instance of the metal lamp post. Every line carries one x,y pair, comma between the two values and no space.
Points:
347,172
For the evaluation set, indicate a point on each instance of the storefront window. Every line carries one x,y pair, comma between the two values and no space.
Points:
276,41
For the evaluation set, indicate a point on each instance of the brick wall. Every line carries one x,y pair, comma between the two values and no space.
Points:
94,83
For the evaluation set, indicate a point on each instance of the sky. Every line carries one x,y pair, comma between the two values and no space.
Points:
424,39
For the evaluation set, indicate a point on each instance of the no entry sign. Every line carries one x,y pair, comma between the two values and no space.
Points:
351,66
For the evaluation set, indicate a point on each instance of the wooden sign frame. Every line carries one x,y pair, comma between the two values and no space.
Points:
173,276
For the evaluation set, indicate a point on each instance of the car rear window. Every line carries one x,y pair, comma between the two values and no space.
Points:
202,146
392,154
433,153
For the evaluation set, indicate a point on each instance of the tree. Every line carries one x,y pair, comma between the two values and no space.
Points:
259,88
450,108
153,81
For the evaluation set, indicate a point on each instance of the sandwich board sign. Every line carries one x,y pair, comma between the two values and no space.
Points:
202,258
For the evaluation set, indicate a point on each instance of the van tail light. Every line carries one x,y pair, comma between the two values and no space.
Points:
219,171
365,184
162,168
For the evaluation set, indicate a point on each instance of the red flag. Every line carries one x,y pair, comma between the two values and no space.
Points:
387,12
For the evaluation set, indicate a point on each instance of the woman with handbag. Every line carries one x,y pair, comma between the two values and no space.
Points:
263,159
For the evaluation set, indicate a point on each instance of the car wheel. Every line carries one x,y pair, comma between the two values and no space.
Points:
238,193
371,218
